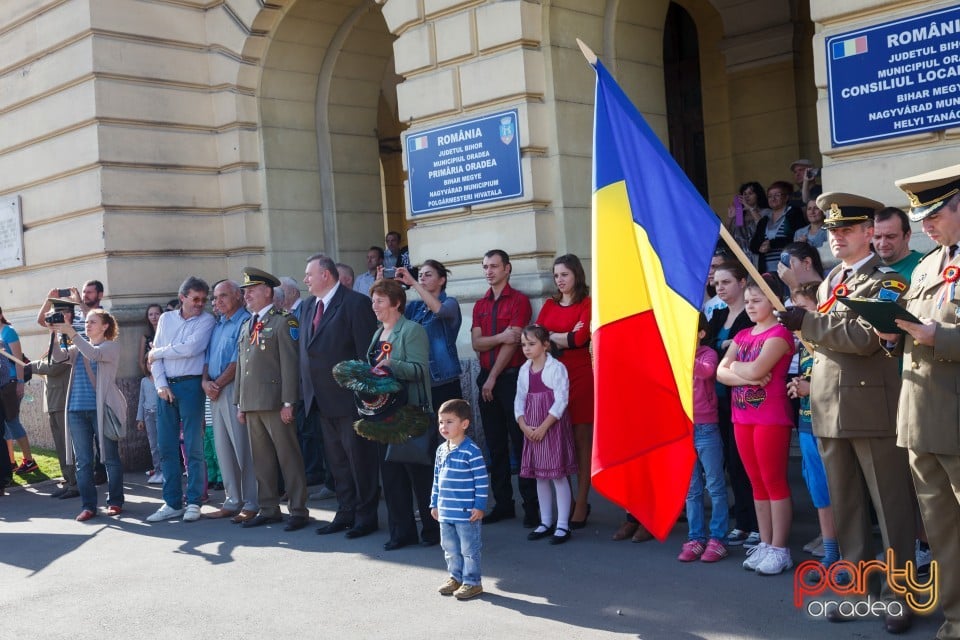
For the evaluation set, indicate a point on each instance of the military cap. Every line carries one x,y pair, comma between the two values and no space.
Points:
846,209
930,191
253,276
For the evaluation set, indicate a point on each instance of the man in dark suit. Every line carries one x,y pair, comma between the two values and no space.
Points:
337,325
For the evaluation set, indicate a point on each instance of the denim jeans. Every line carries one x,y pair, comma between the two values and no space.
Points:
185,410
709,468
83,431
461,548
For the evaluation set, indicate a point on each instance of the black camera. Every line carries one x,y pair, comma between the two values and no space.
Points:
54,317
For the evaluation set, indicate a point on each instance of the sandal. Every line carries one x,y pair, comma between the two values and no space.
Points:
555,539
538,535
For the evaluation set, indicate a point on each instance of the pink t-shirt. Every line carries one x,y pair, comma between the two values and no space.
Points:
769,404
705,386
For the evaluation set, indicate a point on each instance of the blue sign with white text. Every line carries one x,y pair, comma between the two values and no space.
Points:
464,164
895,78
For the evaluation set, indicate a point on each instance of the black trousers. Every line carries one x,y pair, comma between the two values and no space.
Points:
501,431
355,465
311,446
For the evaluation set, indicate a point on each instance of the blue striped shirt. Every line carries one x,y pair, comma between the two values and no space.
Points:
83,395
459,481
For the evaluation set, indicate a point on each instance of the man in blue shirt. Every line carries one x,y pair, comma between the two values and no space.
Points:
229,436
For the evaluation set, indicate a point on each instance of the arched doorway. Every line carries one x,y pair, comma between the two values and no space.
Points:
327,103
681,77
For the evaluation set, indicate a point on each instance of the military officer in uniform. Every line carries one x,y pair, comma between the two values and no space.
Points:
267,388
854,385
928,422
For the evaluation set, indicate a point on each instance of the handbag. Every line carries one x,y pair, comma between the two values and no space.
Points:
418,449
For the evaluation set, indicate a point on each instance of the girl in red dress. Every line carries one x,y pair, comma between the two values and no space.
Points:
567,317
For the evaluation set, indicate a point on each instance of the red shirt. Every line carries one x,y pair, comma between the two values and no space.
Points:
511,309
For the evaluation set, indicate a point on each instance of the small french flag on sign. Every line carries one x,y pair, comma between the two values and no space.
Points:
851,47
420,142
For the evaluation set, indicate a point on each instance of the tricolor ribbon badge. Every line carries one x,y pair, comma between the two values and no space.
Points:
255,335
950,276
839,291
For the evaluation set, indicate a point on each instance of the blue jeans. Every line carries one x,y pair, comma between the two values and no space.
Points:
83,431
709,468
186,410
461,548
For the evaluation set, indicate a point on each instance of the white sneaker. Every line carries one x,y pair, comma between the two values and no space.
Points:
165,512
754,556
156,478
752,540
192,513
776,560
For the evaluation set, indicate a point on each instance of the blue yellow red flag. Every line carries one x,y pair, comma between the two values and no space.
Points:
653,237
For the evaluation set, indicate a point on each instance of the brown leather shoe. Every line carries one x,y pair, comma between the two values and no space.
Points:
642,535
898,624
222,513
243,516
626,530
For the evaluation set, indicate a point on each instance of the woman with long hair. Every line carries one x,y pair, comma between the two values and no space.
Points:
91,395
567,317
11,394
753,203
151,316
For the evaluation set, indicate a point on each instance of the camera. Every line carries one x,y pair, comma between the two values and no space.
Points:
54,317
63,293
812,173
389,272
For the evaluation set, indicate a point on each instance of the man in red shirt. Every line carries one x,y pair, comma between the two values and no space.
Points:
498,319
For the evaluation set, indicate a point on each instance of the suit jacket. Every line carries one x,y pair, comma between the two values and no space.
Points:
929,416
344,333
268,372
854,382
57,377
410,345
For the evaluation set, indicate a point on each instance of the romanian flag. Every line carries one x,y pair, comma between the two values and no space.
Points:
653,237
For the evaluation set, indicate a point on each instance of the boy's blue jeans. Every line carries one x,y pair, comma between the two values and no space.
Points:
461,547
709,471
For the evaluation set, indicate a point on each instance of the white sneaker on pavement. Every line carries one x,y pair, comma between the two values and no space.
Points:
156,478
754,556
775,561
192,513
165,512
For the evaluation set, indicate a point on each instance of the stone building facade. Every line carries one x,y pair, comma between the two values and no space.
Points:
148,140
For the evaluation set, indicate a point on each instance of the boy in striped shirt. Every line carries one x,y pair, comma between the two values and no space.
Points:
458,500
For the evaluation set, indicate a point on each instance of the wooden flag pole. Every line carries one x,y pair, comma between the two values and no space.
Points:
756,277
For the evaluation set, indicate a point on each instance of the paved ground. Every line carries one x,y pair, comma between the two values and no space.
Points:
122,578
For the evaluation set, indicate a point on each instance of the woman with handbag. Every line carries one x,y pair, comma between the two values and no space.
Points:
11,394
401,346
95,408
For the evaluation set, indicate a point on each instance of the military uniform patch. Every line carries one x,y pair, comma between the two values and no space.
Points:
294,327
891,290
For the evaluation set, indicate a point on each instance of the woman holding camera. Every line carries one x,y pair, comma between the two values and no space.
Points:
91,395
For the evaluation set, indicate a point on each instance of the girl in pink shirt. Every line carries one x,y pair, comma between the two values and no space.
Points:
756,366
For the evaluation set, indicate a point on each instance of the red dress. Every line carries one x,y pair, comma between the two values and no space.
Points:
557,318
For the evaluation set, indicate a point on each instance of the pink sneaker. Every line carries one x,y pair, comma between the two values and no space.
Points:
692,549
715,551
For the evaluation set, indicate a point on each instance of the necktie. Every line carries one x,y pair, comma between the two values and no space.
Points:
317,315
953,250
843,276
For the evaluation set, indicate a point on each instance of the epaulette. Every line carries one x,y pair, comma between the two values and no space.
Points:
928,254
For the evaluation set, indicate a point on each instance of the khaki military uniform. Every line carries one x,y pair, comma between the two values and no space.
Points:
854,385
268,376
929,423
